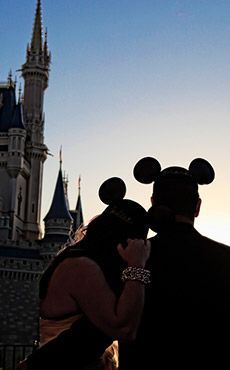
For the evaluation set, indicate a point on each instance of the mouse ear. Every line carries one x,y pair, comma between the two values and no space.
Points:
202,171
112,190
146,170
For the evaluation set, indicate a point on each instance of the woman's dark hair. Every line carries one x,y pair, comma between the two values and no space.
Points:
119,221
123,220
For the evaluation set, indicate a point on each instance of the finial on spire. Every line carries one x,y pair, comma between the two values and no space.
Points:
60,157
79,184
9,80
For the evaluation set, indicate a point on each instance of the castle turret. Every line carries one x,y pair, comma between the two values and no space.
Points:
36,74
22,148
58,220
13,170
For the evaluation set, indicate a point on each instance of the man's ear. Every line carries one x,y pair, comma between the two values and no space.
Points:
197,211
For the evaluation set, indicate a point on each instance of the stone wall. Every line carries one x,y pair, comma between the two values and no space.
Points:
19,307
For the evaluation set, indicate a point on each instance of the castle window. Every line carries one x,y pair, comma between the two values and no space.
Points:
33,207
19,200
14,143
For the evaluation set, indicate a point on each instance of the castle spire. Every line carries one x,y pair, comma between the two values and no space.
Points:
36,42
78,210
77,214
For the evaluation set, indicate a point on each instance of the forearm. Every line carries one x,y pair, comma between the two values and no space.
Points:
129,309
131,301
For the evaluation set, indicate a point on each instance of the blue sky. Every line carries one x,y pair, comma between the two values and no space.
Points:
128,79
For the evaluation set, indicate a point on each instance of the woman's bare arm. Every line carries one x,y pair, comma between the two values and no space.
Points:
117,317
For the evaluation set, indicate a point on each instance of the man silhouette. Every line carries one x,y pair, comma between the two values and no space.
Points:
185,323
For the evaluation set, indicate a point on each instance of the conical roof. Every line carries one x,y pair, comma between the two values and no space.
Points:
58,207
79,213
36,42
11,115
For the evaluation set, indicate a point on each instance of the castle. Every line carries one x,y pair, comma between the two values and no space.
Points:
24,251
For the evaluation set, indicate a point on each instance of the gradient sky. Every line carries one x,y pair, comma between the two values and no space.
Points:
128,79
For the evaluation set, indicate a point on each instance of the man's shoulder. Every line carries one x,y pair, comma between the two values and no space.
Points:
193,234
194,241
215,245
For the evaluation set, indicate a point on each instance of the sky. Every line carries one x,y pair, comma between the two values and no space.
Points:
129,79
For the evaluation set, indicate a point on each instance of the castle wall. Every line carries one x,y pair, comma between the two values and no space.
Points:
19,300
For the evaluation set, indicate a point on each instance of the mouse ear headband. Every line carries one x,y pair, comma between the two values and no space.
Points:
112,193
112,190
148,169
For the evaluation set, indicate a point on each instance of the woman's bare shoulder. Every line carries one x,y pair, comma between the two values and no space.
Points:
79,268
79,263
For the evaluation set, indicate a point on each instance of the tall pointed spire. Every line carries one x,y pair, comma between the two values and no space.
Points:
36,42
79,219
77,214
58,208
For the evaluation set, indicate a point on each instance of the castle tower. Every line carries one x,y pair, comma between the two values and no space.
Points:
58,220
12,163
22,148
36,74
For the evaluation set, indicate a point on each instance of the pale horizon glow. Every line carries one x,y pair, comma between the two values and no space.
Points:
130,79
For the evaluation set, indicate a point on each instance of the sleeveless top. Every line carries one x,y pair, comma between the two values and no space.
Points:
72,342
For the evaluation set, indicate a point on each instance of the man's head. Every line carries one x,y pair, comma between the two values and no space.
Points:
175,190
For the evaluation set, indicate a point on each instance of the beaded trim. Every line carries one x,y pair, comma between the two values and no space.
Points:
121,214
136,273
